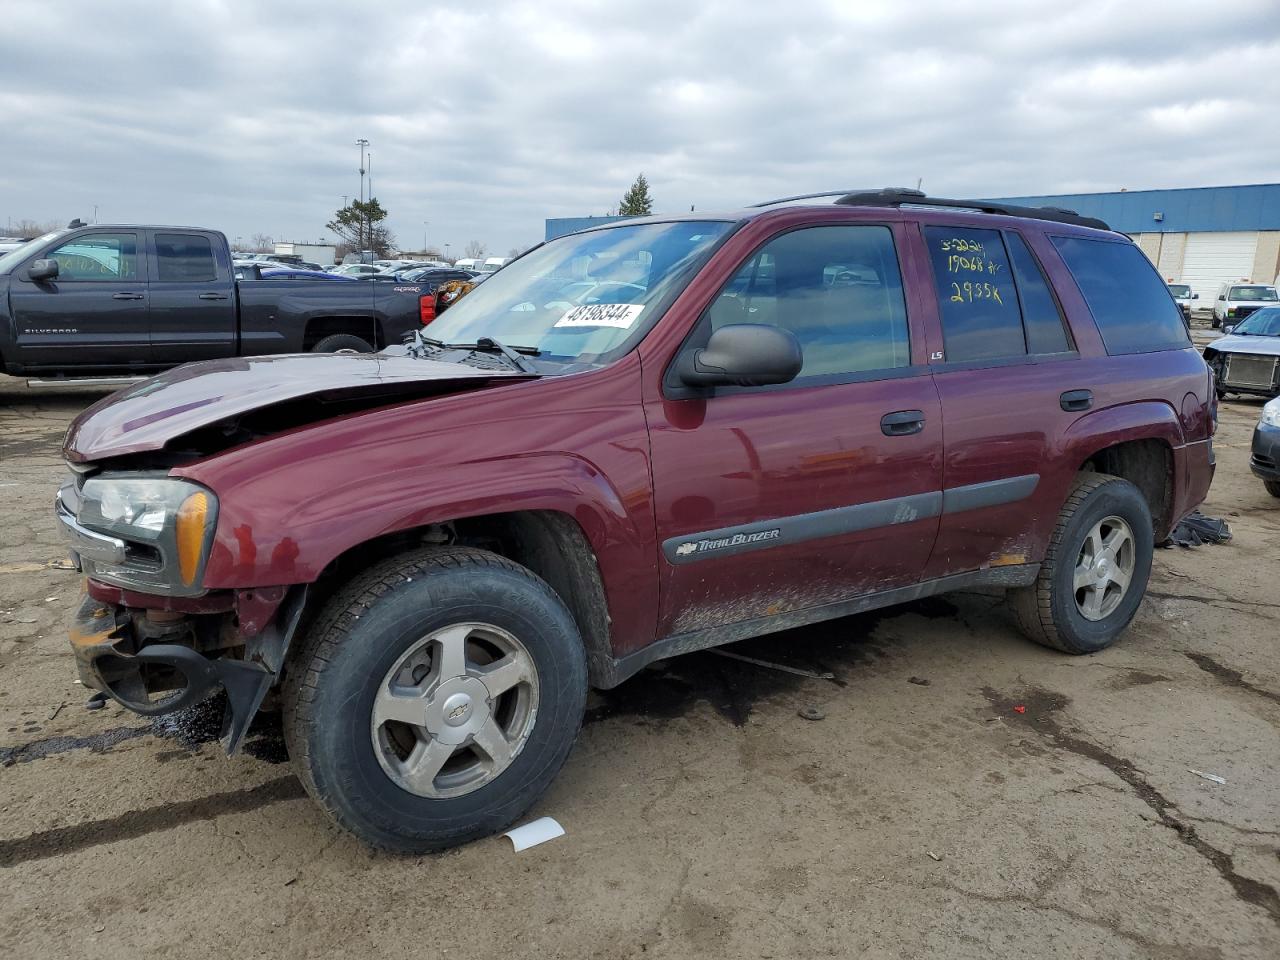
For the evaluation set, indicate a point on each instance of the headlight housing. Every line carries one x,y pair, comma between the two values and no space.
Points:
1271,413
167,525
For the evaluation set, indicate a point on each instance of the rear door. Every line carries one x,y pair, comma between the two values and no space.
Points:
94,314
772,499
1007,370
193,304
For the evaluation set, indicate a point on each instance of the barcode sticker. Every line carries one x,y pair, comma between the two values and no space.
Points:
620,315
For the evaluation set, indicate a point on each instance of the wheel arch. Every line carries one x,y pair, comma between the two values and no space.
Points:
326,325
550,543
1136,442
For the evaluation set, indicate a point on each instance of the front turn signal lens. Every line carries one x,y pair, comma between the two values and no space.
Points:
192,516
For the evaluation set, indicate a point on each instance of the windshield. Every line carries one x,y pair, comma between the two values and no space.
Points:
1179,289
584,295
1264,323
1252,293
15,257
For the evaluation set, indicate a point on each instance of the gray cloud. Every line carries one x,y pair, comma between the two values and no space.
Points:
243,116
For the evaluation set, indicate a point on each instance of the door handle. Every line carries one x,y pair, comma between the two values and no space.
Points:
902,423
213,296
1073,401
126,296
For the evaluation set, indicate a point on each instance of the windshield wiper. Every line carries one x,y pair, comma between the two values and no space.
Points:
483,345
511,353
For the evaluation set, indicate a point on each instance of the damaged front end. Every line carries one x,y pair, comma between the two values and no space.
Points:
147,634
158,661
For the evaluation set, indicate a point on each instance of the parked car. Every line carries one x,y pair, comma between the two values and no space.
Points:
1245,360
1236,301
1183,295
434,551
357,269
1265,458
289,273
133,299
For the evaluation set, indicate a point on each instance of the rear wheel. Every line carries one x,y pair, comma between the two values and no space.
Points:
342,343
1273,487
1095,571
435,699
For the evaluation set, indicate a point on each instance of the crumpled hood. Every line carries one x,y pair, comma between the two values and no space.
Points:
148,415
1262,346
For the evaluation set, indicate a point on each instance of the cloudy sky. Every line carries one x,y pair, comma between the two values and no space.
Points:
243,116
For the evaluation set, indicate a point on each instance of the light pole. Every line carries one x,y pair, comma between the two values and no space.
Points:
361,143
446,252
425,224
95,213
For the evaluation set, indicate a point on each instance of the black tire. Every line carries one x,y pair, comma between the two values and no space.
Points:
1047,610
342,342
334,676
1273,487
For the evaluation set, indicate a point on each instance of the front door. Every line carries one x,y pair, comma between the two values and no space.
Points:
773,499
93,315
193,303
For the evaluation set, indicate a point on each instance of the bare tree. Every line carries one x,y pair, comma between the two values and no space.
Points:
262,243
474,250
513,253
29,229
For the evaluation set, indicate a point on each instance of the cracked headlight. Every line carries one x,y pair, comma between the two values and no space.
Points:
1271,413
167,525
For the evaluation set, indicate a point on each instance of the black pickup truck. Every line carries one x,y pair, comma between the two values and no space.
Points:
95,300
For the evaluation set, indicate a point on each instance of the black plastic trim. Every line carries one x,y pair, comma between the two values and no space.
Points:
783,531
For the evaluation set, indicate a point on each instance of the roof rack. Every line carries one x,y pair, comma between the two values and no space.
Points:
899,197
811,196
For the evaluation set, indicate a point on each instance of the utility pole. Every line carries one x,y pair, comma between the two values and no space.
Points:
425,224
95,213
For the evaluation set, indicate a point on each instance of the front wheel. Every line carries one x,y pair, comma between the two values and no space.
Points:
1273,487
435,699
1095,571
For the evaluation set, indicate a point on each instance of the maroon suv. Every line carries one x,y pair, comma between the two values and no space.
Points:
636,441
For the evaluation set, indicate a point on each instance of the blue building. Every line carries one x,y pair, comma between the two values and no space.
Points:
1204,236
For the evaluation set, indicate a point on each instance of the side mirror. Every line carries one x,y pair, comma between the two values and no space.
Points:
43,270
744,355
1226,330
1195,296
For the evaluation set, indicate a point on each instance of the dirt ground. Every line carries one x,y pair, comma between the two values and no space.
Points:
924,816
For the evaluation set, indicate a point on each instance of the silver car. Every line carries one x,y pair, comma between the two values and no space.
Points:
1246,359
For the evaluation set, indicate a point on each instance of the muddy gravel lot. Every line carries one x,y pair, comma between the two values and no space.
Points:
965,794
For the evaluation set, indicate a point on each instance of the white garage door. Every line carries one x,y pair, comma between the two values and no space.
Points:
1212,259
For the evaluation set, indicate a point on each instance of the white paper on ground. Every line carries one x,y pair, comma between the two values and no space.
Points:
532,834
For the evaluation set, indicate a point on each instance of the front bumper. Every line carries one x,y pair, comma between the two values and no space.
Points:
1264,458
151,661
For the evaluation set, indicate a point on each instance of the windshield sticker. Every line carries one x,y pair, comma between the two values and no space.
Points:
620,315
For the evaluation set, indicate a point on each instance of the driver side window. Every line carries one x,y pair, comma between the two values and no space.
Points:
99,256
838,289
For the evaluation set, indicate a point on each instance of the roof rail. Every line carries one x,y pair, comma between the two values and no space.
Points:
810,196
914,198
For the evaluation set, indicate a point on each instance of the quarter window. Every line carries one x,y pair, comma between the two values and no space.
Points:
98,256
185,257
1128,299
838,289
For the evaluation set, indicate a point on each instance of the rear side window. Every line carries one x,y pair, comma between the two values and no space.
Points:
994,301
1128,300
185,256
